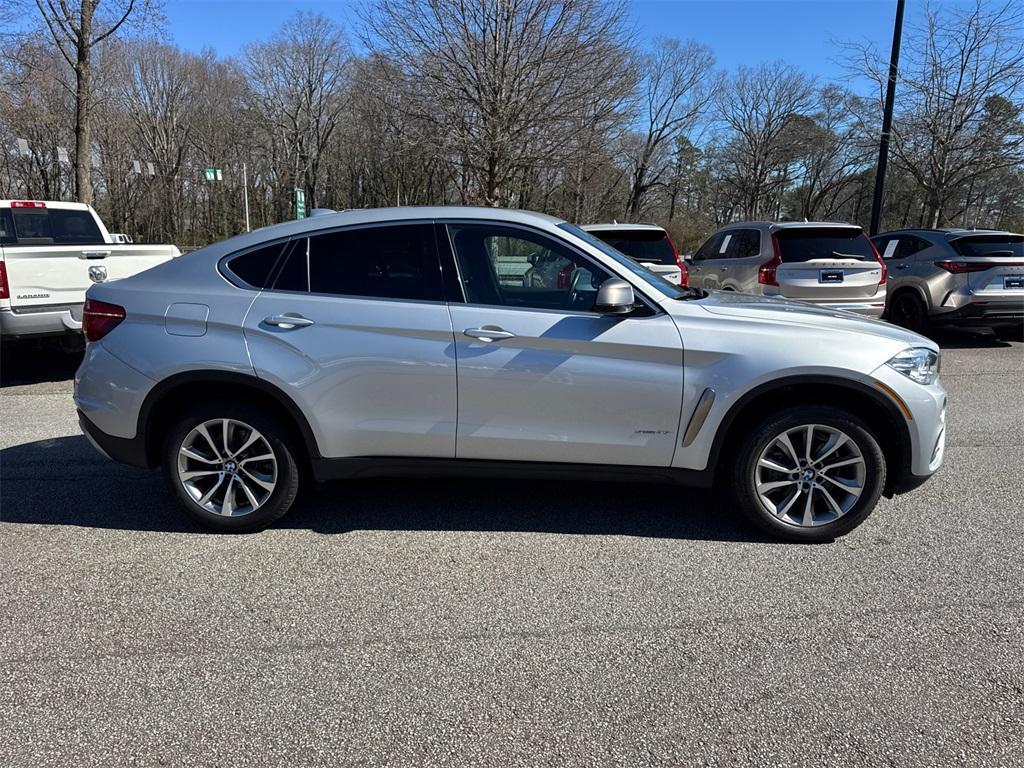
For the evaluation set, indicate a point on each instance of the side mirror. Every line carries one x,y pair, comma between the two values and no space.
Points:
614,297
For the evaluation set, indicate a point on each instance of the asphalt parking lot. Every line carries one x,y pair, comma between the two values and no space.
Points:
411,622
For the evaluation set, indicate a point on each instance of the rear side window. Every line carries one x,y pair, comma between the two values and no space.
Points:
991,245
808,243
641,245
254,267
6,227
396,262
738,244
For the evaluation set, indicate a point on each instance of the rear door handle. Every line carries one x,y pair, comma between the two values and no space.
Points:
288,321
488,333
724,269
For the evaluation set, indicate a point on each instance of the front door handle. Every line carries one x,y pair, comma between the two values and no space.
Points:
288,321
724,269
902,266
488,333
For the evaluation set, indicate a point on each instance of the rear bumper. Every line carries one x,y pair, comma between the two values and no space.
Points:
984,313
42,321
125,450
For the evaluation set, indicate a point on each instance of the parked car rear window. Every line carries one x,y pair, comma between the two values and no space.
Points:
807,243
396,262
59,226
640,244
254,267
990,245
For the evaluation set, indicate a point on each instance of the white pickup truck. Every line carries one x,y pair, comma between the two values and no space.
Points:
50,253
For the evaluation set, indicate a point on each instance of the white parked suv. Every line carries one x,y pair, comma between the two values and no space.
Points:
394,341
50,253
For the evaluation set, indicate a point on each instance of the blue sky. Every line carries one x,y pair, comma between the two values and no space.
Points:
802,32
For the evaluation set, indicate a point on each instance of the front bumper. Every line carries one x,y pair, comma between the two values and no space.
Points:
40,321
926,424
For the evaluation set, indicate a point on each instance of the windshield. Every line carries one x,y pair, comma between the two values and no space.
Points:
809,243
664,287
640,244
991,245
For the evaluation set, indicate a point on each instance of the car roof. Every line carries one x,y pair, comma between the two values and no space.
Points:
616,226
58,204
777,225
951,233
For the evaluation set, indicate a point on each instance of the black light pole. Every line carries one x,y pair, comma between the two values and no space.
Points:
890,95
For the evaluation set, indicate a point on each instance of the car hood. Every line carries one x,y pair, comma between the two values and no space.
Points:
787,311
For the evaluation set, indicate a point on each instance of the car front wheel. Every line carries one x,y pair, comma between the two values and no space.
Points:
810,473
231,466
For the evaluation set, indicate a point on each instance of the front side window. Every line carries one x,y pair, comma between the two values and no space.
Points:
710,248
510,267
390,262
900,246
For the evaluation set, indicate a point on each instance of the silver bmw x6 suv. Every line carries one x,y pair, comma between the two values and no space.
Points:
417,340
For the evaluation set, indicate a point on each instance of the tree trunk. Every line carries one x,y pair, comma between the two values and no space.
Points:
83,96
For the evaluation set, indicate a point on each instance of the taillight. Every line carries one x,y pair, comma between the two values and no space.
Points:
5,291
960,267
766,272
27,204
881,262
684,272
99,318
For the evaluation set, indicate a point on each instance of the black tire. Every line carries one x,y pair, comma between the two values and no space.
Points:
1009,332
276,436
757,440
908,311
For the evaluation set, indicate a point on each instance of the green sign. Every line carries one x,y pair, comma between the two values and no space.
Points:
213,174
300,203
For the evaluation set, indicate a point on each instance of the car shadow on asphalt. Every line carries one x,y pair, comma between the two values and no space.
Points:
63,481
27,362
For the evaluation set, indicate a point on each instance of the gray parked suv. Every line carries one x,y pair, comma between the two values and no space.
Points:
826,263
414,340
962,276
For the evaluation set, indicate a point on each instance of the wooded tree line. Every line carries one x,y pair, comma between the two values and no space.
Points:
550,105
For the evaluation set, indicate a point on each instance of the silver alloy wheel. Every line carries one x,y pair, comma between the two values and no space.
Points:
227,467
810,475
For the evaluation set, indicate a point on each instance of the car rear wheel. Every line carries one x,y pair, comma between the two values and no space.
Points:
811,473
230,466
908,311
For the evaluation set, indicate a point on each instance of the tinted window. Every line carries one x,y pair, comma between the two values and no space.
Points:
709,249
511,267
74,227
737,244
255,267
6,226
32,223
398,262
899,246
807,243
641,245
991,245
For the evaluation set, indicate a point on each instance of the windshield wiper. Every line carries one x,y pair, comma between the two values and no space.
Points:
692,293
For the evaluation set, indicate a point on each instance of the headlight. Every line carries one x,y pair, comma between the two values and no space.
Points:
918,363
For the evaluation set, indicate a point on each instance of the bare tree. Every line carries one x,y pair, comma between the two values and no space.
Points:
503,81
954,64
77,29
759,106
678,83
297,80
